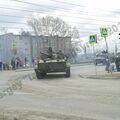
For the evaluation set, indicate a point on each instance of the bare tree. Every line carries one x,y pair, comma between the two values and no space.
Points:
27,33
75,33
50,26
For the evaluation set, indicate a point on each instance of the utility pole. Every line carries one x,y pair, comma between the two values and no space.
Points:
31,47
93,40
116,49
107,49
94,59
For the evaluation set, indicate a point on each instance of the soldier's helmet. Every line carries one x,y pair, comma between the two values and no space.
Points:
50,48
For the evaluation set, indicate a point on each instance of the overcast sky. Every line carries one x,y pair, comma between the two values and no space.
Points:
87,15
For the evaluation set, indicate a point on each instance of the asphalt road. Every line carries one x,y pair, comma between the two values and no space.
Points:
58,98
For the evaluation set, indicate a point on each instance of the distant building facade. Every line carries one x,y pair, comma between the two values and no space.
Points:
30,46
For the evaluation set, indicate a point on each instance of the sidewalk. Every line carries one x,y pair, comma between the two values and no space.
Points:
113,76
6,75
25,69
89,73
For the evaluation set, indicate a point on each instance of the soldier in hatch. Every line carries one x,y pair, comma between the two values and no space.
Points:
50,53
60,55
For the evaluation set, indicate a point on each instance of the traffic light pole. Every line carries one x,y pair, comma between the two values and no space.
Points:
106,44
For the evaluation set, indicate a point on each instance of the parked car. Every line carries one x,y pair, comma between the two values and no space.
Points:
100,61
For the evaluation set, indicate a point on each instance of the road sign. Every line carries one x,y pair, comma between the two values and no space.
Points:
104,31
93,39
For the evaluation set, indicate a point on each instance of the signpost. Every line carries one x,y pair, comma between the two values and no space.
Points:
104,33
93,40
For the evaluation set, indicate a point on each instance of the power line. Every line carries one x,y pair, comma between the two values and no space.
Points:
12,22
25,23
54,9
46,13
24,29
67,3
37,4
48,7
14,28
12,16
38,12
34,11
91,30
25,10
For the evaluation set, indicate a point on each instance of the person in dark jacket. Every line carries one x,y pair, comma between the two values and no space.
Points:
1,66
13,63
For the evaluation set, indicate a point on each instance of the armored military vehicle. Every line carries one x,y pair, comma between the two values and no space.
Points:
52,62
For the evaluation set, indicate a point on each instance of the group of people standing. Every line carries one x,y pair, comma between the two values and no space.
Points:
17,63
4,66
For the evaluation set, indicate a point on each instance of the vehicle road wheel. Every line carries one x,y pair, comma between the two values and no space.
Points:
39,75
68,72
43,74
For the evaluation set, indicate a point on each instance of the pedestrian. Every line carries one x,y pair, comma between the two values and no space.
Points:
1,66
33,61
107,65
13,63
26,61
17,62
50,53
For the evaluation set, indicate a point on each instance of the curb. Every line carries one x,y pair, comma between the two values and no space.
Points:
27,69
100,77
